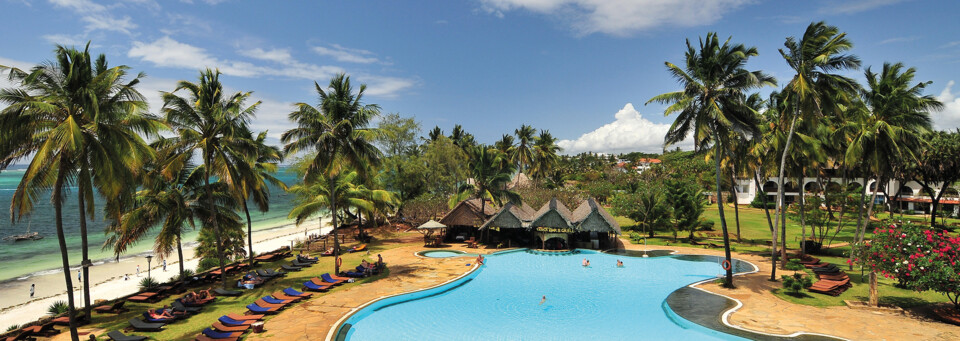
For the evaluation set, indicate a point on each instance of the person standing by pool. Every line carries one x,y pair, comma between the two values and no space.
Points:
480,259
33,287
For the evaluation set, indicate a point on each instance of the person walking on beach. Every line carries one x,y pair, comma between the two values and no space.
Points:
138,270
79,278
164,265
33,287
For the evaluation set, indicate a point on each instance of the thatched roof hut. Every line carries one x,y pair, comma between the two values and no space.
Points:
511,216
553,215
468,213
590,216
519,181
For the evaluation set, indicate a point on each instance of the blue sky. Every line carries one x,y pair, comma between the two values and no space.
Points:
573,67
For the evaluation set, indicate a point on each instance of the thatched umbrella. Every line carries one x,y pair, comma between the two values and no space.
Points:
429,227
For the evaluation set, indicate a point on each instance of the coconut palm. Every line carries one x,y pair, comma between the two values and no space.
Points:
814,90
215,125
891,128
336,189
711,105
81,122
505,144
435,133
255,173
337,132
545,156
523,153
490,177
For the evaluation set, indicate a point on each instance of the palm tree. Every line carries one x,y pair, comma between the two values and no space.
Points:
814,90
711,105
490,178
338,188
337,131
505,144
545,156
216,126
81,122
891,128
523,154
254,174
435,133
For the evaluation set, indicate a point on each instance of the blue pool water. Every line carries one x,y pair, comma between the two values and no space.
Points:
445,254
500,301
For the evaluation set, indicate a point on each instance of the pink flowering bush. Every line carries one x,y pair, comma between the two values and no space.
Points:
918,257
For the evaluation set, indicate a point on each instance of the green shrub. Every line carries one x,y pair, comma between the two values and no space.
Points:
13,327
707,225
796,283
207,264
187,273
758,201
794,265
148,283
57,308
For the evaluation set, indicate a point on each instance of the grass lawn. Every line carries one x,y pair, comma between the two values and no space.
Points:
755,233
188,328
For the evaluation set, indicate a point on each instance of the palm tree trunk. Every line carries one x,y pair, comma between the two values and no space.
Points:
180,256
773,230
246,210
873,199
58,210
723,223
333,217
736,206
863,193
780,208
803,220
843,204
213,221
84,254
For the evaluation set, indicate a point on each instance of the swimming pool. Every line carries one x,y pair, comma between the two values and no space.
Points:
501,301
444,254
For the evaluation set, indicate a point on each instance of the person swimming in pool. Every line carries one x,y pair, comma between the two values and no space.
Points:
544,299
619,263
480,259
585,262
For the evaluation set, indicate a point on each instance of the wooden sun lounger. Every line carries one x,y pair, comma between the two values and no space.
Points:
140,325
202,337
116,335
44,330
265,304
280,295
115,308
224,328
238,317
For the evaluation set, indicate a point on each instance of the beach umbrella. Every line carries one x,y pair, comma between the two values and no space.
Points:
431,225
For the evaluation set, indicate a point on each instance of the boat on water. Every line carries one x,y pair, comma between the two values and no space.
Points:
23,237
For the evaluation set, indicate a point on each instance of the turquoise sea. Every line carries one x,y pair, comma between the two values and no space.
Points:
26,258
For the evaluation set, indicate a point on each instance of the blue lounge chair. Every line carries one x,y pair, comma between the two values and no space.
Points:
214,334
227,320
273,300
146,317
258,309
315,287
294,292
326,278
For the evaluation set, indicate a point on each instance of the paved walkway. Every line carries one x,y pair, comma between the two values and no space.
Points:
312,319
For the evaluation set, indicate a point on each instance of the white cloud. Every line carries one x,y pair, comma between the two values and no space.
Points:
4,82
949,117
950,44
67,40
348,55
898,40
629,132
620,17
97,16
167,52
850,7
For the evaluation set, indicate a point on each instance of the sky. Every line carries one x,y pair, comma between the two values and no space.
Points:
582,69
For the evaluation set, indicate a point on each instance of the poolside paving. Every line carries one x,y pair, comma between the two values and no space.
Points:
312,319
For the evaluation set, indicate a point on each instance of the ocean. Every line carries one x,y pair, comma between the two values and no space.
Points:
20,260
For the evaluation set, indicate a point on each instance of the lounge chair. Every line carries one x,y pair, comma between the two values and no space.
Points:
144,297
44,330
115,308
149,319
274,300
202,337
358,248
306,259
225,292
320,281
262,310
116,335
300,264
139,325
229,329
177,305
249,317
65,320
263,274
327,278
263,303
290,267
294,292
227,320
472,242
220,335
310,285
275,273
280,295
329,252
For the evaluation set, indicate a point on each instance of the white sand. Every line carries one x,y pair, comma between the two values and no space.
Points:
107,281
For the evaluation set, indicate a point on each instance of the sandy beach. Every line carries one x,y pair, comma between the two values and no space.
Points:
107,279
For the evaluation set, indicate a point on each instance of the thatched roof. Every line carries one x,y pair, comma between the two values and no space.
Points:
467,213
519,181
590,216
511,216
553,214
